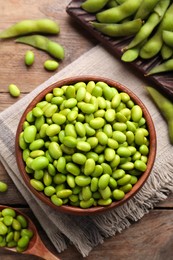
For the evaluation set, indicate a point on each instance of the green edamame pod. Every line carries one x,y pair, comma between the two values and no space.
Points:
93,6
166,52
118,29
163,67
131,54
166,108
145,8
148,27
118,13
43,43
167,37
154,44
31,26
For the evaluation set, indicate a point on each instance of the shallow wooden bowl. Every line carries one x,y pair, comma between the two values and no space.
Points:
95,209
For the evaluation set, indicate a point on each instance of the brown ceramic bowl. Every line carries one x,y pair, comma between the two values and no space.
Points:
94,209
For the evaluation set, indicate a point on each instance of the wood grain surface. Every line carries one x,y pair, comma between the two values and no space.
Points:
151,238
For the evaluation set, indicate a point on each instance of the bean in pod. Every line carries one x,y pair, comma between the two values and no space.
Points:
43,43
31,26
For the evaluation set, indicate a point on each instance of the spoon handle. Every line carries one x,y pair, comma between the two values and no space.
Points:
41,250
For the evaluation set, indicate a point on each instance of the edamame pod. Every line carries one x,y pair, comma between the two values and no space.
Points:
118,13
118,29
166,108
43,43
31,26
153,20
93,6
145,8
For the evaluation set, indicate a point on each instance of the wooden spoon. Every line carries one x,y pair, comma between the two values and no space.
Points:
36,246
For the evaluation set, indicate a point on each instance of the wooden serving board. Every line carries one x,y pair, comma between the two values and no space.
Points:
162,81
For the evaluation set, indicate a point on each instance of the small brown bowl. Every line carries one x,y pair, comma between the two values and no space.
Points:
94,209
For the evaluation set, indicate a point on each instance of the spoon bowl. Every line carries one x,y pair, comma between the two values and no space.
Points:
36,246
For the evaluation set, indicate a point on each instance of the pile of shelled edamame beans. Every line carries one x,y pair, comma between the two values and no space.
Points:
14,231
149,22
85,144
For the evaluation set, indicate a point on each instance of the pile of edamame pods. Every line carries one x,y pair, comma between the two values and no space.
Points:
85,144
14,231
149,22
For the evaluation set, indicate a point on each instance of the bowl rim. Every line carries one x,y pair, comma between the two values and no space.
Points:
96,209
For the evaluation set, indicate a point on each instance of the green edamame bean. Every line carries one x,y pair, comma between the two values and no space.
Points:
126,188
29,133
109,154
136,113
22,221
70,141
3,186
79,158
47,179
55,150
124,180
8,220
86,203
127,166
86,193
8,212
80,95
36,184
97,123
123,151
102,138
14,90
140,165
73,168
82,180
83,146
65,193
16,225
119,136
89,166
29,58
36,153
104,202
39,163
118,194
139,137
103,181
112,183
105,193
3,229
51,65
23,241
36,144
61,164
43,43
49,191
9,237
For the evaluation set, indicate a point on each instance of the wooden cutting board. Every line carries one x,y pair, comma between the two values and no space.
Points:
163,81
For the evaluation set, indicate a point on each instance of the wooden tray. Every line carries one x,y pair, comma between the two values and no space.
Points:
163,81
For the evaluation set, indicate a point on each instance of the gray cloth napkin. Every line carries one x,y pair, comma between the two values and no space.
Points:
83,231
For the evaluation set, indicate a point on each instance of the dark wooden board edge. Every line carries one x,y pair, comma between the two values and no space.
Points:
163,81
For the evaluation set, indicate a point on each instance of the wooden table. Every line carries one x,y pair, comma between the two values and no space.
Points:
151,238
